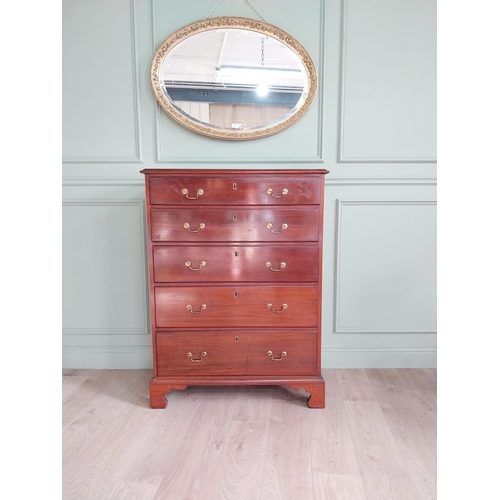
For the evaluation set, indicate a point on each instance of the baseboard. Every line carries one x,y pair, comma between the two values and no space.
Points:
332,357
379,357
107,357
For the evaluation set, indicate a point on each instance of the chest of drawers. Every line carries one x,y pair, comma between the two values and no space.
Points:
235,261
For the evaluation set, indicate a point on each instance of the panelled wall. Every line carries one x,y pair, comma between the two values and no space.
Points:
372,125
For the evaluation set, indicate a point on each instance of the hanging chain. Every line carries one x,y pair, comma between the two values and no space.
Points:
262,51
213,8
246,1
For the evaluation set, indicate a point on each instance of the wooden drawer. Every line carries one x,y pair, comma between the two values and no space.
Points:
236,353
235,224
236,307
177,264
234,190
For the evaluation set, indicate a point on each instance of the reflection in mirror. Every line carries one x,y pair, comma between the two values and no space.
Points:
233,78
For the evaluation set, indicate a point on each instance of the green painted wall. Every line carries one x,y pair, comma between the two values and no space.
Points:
372,125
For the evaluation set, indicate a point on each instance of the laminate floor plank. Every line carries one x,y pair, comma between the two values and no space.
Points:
338,487
417,445
104,393
404,389
335,470
337,417
94,465
128,491
80,436
141,452
354,385
408,402
150,445
73,378
331,441
254,404
157,450
133,454
191,474
430,418
239,471
374,440
78,393
97,449
287,463
384,472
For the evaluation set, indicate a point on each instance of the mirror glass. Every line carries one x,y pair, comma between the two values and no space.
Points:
233,78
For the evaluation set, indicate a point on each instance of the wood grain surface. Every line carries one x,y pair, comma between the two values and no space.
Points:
375,439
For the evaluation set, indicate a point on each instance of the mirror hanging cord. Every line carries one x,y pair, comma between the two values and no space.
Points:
255,10
246,1
213,8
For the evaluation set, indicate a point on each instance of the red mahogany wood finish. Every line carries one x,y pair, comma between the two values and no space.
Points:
235,260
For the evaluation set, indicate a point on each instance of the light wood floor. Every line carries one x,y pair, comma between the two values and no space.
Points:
376,439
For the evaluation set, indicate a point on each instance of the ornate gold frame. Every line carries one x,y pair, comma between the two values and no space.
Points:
232,22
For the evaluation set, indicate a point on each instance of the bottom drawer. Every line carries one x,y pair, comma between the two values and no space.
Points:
238,353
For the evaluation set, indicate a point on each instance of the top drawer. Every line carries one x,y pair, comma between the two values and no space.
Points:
234,191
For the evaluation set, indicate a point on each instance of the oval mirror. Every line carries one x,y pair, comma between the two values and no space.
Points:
233,78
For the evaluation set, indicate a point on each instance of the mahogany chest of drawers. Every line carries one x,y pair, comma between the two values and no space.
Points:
235,262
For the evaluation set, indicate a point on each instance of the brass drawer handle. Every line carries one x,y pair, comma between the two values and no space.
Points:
270,266
201,225
283,192
202,355
188,264
283,307
190,308
270,354
283,227
198,193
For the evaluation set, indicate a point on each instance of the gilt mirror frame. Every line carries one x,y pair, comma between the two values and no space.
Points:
233,23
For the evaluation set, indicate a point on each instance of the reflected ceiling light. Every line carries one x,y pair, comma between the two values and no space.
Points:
262,89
